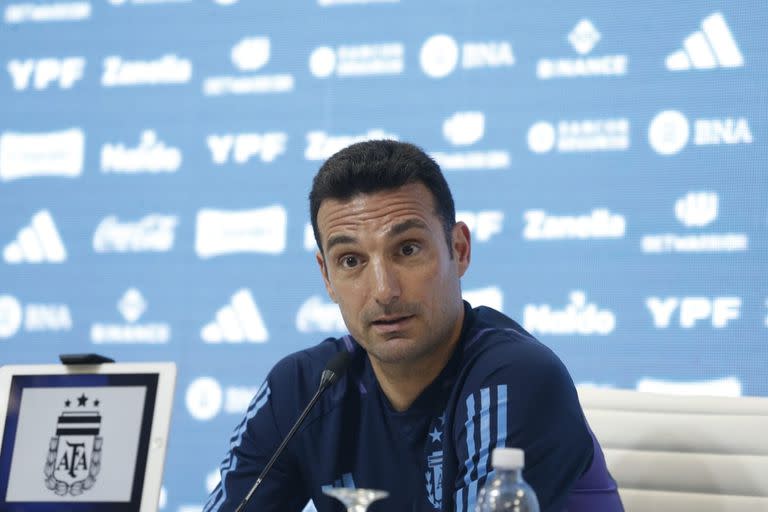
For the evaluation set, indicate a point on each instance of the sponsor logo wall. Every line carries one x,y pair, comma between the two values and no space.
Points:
609,162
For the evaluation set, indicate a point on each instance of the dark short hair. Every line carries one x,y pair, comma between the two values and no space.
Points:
378,165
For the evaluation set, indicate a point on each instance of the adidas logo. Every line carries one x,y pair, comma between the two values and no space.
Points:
711,47
237,322
37,243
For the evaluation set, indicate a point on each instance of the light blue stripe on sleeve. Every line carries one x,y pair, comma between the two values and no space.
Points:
471,449
228,466
501,416
485,441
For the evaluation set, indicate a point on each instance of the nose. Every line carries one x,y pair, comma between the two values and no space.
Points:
386,283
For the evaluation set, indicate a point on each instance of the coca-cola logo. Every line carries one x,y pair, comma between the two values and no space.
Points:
153,233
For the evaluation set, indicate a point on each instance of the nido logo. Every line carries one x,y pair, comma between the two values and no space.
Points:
691,310
669,132
131,306
39,242
711,47
32,155
248,55
150,156
238,322
578,318
166,70
373,59
600,223
241,147
584,136
321,145
695,210
583,39
39,74
34,317
465,129
46,12
261,230
153,233
490,296
440,55
317,315
205,398
483,224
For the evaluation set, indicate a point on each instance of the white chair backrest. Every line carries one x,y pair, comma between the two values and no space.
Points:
682,453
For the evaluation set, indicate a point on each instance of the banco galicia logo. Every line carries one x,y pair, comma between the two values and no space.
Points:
579,136
371,59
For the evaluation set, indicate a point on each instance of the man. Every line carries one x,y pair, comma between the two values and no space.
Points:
434,385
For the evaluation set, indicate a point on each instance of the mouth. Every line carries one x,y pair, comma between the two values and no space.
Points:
391,323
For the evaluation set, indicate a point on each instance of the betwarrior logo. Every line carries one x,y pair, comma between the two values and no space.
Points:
74,453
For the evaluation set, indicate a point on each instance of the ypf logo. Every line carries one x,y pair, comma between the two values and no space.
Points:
669,132
204,398
439,56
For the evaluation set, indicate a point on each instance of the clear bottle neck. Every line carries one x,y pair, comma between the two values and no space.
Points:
514,475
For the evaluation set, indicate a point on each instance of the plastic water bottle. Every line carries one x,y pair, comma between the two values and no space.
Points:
508,490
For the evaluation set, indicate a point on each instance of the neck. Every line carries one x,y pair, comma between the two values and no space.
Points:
403,382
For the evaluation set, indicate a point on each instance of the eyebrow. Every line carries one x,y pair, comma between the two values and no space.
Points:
339,239
395,230
406,225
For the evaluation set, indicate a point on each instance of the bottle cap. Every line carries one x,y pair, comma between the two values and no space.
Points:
508,458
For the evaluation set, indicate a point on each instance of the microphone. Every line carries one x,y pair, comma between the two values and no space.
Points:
332,373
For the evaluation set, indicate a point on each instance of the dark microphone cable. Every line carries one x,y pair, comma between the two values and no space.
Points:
332,373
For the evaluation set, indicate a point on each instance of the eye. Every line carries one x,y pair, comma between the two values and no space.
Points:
409,249
349,261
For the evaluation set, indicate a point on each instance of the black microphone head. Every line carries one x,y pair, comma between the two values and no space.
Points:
335,368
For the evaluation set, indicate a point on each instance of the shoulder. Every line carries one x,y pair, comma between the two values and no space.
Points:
494,344
302,369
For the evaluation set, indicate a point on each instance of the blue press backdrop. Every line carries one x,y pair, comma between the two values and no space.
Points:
156,156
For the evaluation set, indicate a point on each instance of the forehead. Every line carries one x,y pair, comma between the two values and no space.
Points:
376,211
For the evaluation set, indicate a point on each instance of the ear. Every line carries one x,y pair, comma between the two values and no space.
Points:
324,273
461,246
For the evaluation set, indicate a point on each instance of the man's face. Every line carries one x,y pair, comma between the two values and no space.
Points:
387,265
